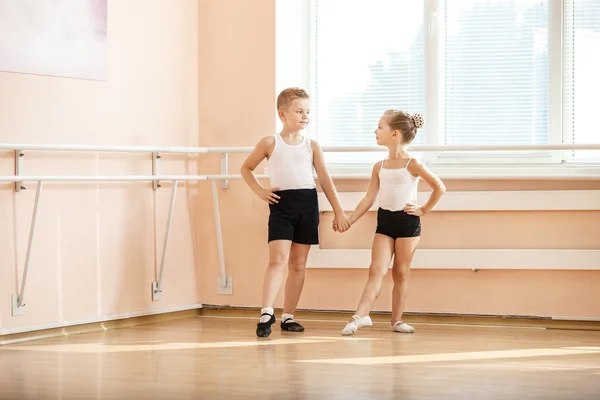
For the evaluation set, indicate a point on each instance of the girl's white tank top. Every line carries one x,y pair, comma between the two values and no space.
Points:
397,187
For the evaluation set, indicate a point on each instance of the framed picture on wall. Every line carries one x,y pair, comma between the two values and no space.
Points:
66,38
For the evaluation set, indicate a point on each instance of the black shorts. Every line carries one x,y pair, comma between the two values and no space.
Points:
295,217
398,224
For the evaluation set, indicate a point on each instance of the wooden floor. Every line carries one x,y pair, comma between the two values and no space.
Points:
220,358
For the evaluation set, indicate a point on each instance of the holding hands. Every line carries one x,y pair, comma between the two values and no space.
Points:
341,223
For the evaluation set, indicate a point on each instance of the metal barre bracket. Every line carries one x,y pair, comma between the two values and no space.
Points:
18,169
224,282
157,285
155,158
156,292
17,299
16,308
224,169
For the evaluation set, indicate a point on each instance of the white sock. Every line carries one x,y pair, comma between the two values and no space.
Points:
268,310
287,318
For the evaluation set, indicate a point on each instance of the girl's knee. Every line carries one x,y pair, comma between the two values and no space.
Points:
400,273
378,270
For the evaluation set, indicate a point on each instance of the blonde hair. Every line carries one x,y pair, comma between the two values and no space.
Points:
405,123
285,98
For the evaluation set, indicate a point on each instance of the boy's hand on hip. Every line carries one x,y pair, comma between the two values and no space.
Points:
268,195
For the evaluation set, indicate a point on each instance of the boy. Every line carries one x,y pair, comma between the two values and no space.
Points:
294,209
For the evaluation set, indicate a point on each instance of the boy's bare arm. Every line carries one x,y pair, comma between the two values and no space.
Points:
257,155
341,221
324,179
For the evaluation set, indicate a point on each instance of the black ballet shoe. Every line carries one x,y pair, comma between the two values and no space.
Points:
292,326
263,329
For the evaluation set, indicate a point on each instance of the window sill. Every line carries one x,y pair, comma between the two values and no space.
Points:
570,170
578,170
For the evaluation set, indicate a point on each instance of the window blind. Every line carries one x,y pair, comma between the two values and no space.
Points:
496,72
581,74
369,57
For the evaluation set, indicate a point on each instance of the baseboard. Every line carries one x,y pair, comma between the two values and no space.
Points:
516,200
490,320
17,335
470,259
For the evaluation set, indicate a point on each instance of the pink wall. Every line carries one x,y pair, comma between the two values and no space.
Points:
95,250
237,96
203,73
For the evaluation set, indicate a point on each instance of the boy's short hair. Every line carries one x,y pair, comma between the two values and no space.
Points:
288,95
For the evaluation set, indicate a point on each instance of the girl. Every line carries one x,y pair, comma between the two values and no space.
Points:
395,179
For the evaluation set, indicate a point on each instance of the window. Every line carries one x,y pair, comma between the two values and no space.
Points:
582,75
369,57
484,72
496,74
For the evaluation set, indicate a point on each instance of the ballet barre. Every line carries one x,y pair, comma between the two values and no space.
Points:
224,152
246,149
225,282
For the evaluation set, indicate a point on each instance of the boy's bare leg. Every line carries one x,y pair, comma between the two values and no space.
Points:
294,286
279,251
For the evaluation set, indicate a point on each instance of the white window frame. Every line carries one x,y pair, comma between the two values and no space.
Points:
435,15
298,16
566,118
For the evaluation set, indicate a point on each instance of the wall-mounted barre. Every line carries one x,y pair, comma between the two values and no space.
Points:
347,149
225,282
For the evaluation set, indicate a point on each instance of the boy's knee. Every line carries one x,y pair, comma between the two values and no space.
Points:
278,261
297,265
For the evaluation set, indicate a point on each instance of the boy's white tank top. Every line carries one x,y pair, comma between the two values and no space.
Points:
291,167
397,187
